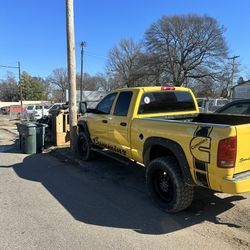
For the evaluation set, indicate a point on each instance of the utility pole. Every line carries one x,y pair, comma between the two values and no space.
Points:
71,73
83,44
19,80
20,86
233,68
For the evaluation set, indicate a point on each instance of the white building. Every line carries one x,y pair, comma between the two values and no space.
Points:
241,91
91,97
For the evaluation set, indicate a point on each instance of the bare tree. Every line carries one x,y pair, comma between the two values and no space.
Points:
123,63
89,82
102,82
59,80
9,89
187,47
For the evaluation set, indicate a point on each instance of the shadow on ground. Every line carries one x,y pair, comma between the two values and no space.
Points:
13,146
108,194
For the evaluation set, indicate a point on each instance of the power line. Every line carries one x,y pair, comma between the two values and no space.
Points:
10,67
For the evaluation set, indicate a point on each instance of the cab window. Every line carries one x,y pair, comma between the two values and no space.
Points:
106,103
123,103
166,101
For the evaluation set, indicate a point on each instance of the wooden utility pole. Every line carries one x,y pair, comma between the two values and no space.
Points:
233,68
83,44
71,74
20,86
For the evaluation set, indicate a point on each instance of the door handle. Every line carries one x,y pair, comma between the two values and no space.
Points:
104,121
124,124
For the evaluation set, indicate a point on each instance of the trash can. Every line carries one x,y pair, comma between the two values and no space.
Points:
40,136
27,135
31,137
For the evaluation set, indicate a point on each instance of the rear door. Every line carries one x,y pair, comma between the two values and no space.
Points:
119,124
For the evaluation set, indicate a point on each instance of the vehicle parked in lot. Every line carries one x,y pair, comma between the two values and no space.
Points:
162,129
202,103
55,107
5,110
36,111
239,107
40,111
214,104
17,109
12,109
29,111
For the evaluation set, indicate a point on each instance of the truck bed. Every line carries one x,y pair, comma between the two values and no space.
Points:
206,118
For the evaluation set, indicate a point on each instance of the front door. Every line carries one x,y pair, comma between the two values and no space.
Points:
98,122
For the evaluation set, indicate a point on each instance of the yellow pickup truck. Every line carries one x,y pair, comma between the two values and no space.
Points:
162,129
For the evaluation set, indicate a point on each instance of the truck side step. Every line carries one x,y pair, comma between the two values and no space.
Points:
113,156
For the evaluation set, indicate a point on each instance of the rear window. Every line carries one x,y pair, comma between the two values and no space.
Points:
166,101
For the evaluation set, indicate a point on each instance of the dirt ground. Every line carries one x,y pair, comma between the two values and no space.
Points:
117,204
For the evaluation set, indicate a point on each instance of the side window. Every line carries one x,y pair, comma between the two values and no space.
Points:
106,103
123,103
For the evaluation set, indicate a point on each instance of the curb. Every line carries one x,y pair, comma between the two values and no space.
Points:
69,157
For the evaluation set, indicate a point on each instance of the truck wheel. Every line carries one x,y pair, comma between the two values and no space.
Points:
166,185
84,147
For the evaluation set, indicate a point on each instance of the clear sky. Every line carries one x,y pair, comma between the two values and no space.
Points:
34,31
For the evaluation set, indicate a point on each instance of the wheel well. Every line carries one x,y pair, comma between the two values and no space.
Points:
157,151
81,129
159,147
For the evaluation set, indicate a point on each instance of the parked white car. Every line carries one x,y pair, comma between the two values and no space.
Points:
40,111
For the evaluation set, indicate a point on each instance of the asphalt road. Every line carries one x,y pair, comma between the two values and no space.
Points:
46,203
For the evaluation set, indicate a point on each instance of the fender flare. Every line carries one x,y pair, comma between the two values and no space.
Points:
83,126
175,149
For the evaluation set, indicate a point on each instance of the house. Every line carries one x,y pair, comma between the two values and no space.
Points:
241,91
91,97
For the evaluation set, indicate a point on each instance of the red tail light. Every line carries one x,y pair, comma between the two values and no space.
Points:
227,151
167,88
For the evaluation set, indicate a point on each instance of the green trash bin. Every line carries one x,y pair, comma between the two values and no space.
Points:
27,135
31,137
40,136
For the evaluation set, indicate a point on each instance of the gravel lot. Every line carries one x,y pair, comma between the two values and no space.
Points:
46,203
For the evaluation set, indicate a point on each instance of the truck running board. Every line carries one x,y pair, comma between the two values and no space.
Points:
113,156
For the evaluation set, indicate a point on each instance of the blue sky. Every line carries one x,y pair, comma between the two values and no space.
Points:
33,31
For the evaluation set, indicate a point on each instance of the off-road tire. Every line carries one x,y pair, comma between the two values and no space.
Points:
84,147
166,185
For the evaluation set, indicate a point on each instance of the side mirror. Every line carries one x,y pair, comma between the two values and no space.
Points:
82,107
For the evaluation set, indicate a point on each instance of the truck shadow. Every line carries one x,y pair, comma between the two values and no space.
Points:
108,194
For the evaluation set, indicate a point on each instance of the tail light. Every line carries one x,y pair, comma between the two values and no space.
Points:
227,151
167,88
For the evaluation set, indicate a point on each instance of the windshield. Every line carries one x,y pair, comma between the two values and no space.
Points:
166,101
222,102
30,107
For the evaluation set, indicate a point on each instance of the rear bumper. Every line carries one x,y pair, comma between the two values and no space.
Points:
240,183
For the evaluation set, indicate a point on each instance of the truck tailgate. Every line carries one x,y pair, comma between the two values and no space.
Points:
243,149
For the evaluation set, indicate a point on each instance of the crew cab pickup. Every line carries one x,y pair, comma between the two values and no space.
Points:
162,129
